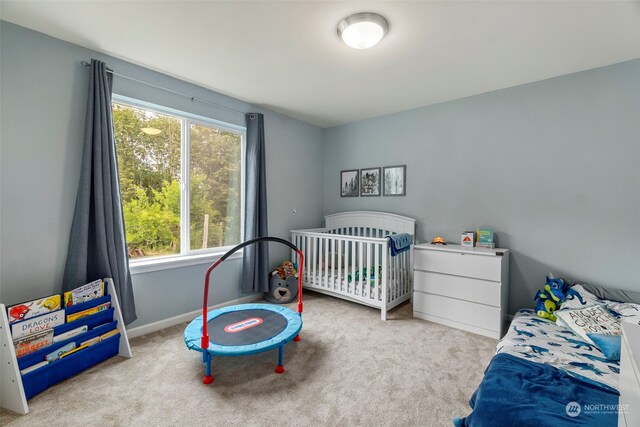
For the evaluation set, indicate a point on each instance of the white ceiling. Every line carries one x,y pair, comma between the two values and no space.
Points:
286,56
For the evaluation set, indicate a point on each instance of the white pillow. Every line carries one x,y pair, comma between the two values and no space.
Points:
573,301
591,320
623,309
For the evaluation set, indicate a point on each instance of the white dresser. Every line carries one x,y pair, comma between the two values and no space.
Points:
465,288
629,414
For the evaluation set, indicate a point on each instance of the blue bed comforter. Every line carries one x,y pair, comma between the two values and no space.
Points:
517,392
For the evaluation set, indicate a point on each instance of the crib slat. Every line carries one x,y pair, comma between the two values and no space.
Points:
361,268
376,258
332,255
347,266
314,262
372,270
339,283
327,241
319,261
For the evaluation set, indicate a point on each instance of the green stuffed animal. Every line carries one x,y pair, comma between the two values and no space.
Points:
549,299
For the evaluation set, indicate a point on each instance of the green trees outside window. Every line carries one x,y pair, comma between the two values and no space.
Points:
149,146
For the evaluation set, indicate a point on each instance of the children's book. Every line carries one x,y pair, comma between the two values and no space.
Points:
70,352
88,312
34,342
84,293
69,334
90,341
37,324
109,334
34,308
55,355
484,235
34,367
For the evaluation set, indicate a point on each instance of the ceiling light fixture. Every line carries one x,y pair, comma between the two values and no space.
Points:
151,131
363,30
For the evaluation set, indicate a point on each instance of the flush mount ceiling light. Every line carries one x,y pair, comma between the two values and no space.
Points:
363,30
151,131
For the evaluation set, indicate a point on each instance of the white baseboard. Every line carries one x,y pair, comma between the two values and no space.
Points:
186,317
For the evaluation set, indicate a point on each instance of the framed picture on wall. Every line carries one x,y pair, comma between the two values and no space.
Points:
370,182
394,178
349,181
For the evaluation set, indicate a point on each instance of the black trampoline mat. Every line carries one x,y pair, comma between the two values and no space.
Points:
244,328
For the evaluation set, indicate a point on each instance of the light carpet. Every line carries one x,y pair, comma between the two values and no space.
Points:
349,369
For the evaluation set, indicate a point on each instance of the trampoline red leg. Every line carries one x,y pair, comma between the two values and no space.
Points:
206,359
280,368
297,338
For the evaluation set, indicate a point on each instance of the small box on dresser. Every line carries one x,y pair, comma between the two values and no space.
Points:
462,287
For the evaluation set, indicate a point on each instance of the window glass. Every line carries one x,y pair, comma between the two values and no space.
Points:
215,158
157,208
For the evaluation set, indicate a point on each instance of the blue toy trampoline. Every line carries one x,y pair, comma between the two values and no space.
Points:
247,328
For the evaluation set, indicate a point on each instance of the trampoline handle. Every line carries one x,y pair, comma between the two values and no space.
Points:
205,335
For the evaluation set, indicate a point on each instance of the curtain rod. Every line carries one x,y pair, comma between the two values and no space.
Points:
192,98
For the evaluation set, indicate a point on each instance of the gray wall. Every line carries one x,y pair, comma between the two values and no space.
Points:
44,91
552,167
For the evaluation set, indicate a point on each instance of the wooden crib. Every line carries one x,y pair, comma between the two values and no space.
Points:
350,258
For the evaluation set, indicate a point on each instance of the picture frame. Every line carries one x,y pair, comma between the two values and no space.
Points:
370,182
350,183
394,181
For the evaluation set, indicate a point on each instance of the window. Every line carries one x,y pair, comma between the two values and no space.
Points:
159,149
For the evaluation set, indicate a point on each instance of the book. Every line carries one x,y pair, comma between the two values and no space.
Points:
34,367
70,334
484,235
109,334
55,355
90,341
33,342
34,308
70,352
37,324
88,312
84,293
485,245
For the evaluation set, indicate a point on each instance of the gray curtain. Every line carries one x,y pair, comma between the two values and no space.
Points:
255,263
97,244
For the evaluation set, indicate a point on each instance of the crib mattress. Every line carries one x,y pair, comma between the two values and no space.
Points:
340,281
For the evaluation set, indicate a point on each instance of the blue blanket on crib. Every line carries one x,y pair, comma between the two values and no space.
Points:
518,392
399,243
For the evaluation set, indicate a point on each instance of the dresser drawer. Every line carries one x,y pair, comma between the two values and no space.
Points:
464,288
485,267
466,312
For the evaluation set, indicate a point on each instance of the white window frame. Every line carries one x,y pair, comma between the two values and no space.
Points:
187,256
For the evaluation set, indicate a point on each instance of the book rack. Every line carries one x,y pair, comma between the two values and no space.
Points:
16,389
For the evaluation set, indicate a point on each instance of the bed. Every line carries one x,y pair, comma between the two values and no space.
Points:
544,374
350,258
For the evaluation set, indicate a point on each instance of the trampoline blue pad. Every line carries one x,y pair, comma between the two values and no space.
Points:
244,329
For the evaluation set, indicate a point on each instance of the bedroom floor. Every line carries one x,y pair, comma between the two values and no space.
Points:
350,368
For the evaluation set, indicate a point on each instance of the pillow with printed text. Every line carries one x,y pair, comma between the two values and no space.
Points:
590,320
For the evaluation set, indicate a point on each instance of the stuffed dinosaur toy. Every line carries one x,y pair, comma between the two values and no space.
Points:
551,296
